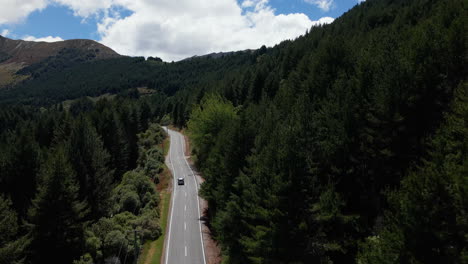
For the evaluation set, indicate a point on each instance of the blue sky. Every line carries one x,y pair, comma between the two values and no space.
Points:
121,25
56,20
312,11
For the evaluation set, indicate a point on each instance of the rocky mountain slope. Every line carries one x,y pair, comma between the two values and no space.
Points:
18,54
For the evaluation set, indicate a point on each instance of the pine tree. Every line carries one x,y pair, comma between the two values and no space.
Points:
115,141
11,248
90,160
24,167
428,218
56,228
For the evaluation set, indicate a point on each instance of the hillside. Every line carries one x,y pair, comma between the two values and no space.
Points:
18,54
348,144
66,77
30,52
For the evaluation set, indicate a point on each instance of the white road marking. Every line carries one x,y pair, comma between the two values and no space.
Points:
198,204
173,198
185,226
185,208
177,137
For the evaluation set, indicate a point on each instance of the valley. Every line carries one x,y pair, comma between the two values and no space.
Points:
346,144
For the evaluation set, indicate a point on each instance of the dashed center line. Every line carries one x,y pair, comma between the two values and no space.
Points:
184,238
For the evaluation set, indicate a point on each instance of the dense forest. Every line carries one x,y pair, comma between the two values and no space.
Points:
71,75
75,184
346,145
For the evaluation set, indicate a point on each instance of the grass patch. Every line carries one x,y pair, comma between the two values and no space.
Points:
165,146
8,74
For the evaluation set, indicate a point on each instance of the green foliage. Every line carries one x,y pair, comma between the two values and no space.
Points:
134,208
165,120
20,164
90,160
313,151
85,259
66,156
151,137
130,194
10,249
151,157
323,126
154,161
206,122
8,222
73,74
65,58
13,252
428,218
56,214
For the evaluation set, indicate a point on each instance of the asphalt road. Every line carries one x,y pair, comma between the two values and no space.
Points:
184,244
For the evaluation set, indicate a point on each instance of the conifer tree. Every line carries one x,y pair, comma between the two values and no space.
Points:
428,218
11,247
90,161
24,167
56,227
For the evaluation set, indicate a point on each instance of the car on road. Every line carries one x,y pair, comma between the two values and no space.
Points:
180,181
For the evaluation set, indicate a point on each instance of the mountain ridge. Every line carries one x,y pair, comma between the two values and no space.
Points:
16,55
29,52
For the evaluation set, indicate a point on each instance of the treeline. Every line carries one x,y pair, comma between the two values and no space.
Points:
71,75
346,145
65,58
76,183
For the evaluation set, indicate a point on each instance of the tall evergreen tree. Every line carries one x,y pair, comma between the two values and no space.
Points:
115,140
56,227
90,161
24,167
11,247
428,221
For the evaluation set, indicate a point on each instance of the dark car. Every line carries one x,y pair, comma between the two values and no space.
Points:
180,181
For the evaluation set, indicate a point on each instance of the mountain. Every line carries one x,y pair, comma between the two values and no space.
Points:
345,145
68,76
18,54
30,52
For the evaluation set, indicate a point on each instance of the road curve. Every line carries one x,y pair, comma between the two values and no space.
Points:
184,243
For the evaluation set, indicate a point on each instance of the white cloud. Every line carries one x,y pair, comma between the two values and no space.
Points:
325,5
323,21
13,11
360,1
247,3
174,30
44,39
5,32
